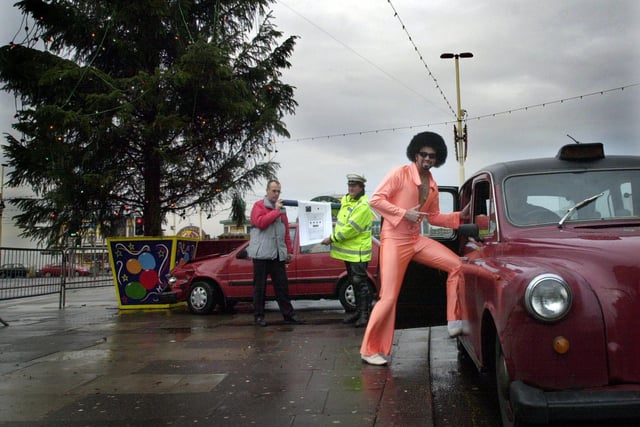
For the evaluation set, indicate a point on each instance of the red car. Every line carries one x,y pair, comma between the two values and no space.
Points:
55,270
221,274
552,271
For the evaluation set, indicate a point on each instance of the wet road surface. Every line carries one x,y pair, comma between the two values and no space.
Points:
462,396
91,364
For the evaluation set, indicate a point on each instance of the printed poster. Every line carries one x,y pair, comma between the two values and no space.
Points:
314,222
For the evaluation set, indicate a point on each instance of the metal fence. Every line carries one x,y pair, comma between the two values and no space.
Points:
32,272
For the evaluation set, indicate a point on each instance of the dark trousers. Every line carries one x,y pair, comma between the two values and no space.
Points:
357,272
278,273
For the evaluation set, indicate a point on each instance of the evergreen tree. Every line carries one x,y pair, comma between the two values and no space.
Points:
157,105
238,210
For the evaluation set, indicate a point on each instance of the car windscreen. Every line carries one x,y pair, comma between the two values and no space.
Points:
545,198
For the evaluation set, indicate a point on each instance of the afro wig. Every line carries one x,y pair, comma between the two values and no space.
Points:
428,139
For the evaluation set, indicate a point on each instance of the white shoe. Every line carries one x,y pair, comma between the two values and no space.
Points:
454,327
465,327
376,359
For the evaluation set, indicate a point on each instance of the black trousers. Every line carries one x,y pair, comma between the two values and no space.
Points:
278,273
357,272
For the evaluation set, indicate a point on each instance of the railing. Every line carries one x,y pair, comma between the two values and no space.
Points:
33,272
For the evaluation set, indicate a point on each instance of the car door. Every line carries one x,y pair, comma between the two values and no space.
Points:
312,271
423,298
478,254
237,277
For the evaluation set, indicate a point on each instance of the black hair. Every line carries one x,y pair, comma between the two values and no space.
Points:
428,139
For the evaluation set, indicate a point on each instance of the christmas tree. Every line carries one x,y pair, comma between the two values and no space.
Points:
146,106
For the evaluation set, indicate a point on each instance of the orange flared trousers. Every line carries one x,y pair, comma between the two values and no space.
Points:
395,256
401,242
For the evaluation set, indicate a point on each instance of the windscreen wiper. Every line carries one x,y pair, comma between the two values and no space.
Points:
578,206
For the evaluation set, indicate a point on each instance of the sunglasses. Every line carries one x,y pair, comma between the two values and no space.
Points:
425,154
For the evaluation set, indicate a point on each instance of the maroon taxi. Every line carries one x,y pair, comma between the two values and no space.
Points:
552,294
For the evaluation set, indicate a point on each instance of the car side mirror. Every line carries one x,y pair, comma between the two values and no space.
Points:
242,254
470,230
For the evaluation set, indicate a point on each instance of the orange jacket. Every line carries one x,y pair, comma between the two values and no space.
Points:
399,192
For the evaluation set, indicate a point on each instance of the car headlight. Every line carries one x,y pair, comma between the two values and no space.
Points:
548,297
171,279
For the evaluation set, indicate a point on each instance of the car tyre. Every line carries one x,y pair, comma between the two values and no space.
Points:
502,386
503,381
202,298
347,295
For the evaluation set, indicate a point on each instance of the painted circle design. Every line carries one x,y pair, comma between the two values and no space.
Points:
147,261
135,290
149,279
133,266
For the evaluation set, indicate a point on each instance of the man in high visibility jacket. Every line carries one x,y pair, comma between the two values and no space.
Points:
351,242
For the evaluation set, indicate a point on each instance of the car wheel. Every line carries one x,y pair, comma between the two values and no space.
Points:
201,298
47,274
502,390
347,295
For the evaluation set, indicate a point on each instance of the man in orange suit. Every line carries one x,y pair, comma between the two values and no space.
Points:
406,196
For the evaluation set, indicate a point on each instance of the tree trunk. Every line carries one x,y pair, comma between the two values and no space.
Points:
152,210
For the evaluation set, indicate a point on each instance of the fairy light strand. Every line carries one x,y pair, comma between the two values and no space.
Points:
358,54
372,131
415,48
479,117
87,68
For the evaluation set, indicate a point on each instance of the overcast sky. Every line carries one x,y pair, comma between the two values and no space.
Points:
364,87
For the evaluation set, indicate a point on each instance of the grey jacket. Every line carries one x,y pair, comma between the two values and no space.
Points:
269,237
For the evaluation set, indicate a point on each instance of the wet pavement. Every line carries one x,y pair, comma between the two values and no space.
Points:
92,364
461,395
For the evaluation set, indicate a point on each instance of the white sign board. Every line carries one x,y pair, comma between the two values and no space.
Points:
314,222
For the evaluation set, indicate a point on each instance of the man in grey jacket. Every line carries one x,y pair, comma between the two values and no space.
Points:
270,247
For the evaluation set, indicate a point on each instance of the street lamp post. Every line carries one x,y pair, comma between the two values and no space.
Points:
459,134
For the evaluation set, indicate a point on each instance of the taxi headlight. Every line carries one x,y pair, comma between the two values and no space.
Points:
548,297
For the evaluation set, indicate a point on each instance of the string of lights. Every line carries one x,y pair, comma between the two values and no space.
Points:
479,117
29,40
558,101
349,48
89,65
415,48
184,21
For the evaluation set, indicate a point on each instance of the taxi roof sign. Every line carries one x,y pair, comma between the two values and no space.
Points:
591,151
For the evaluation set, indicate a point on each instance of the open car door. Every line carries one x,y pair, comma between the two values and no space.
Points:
423,297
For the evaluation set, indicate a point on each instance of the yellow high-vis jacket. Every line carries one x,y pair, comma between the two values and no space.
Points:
351,237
